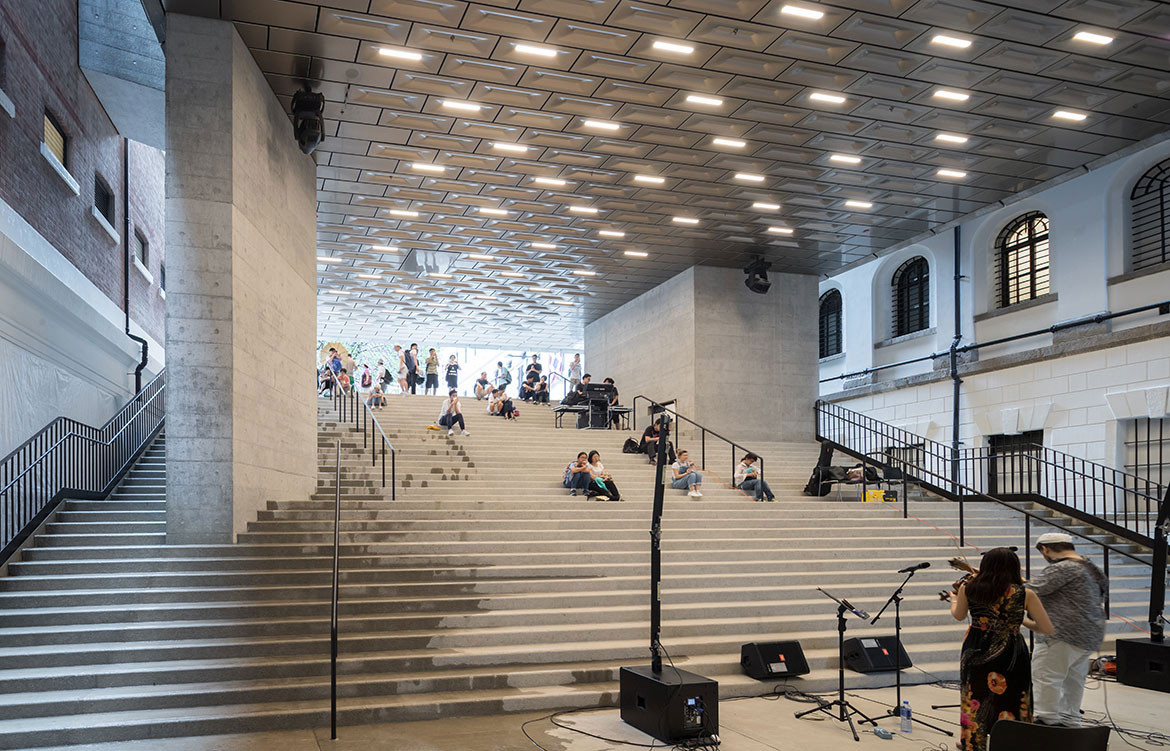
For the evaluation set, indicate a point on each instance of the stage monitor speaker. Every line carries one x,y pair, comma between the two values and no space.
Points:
873,654
772,659
672,706
1143,663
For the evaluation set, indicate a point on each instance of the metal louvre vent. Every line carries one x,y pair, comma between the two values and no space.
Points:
1022,260
1150,213
54,138
830,323
911,297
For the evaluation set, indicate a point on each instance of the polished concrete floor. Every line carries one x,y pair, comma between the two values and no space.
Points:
757,724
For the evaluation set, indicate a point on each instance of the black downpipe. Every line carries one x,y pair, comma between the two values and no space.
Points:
956,382
128,249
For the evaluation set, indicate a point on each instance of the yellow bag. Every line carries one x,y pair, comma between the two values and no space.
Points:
875,496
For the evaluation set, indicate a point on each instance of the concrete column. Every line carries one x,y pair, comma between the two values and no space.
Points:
241,300
742,364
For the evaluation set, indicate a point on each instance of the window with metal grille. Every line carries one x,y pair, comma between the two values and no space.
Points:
55,138
1149,206
103,199
162,277
830,323
1013,468
912,297
1147,450
1022,259
141,248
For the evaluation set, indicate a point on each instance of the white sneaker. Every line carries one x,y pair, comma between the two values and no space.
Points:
450,432
693,493
466,433
697,494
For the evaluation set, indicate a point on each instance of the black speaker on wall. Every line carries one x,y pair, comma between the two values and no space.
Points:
874,654
772,659
1144,663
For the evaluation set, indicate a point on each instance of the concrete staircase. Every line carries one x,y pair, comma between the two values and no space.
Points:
483,589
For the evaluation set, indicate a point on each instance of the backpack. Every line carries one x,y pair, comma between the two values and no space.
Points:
367,381
630,447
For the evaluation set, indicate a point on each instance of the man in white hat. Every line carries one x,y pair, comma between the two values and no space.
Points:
1073,593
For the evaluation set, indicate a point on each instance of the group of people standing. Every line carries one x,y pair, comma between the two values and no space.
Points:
1063,605
414,371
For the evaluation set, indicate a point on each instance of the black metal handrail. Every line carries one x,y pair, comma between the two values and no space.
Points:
703,432
929,464
70,458
351,408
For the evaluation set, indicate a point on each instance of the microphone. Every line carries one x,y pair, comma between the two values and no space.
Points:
912,569
856,611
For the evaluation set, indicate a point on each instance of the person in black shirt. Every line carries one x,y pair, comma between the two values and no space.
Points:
452,373
614,419
533,367
650,438
541,395
483,387
577,395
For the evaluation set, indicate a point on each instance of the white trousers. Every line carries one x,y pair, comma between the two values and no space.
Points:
1059,671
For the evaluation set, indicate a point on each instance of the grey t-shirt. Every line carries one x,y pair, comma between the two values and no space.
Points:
1073,594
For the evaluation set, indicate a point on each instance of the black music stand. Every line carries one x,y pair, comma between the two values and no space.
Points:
896,710
845,709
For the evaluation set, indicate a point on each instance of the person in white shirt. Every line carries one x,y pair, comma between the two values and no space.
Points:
603,485
686,476
452,414
575,370
747,479
401,367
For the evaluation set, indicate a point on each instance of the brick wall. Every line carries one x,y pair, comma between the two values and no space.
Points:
40,72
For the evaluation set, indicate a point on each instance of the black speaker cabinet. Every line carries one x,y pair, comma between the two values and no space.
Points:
873,654
1143,663
772,659
672,706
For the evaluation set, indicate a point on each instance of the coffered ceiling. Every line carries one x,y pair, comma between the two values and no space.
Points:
512,169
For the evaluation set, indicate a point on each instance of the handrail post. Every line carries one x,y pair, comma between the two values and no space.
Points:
1158,577
333,614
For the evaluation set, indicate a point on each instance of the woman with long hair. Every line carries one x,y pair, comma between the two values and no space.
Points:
995,670
603,485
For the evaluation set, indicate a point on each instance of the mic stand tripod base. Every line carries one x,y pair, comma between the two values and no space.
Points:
845,710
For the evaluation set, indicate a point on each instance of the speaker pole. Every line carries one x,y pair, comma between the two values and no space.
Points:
656,549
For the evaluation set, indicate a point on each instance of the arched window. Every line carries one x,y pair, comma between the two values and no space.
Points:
912,297
1149,206
830,320
1022,259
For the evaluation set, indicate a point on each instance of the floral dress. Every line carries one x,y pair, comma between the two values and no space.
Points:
995,669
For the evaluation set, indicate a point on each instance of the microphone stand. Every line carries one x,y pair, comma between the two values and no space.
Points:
656,555
896,711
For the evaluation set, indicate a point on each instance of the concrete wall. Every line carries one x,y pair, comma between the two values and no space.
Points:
719,350
241,300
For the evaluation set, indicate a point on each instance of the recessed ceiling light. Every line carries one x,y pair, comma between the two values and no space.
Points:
403,212
369,276
949,138
749,177
384,248
399,54
494,212
512,274
549,181
649,179
1067,115
326,259
859,204
951,173
540,289
583,272
611,233
845,159
601,124
683,49
781,230
478,257
561,302
336,291
513,147
407,291
796,10
452,104
734,143
818,96
435,304
529,49
684,220
440,275
950,41
764,206
545,246
583,209
427,167
1088,36
713,101
636,253
487,297
954,96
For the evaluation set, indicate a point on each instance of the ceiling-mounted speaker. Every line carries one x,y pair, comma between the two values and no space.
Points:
308,111
757,276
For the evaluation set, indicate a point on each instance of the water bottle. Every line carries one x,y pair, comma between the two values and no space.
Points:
907,720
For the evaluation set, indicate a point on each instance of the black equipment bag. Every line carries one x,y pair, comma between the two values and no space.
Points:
630,447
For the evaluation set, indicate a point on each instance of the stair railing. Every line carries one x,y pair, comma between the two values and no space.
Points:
350,408
70,459
929,464
658,408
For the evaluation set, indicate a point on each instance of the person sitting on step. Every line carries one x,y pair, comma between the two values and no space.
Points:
452,414
483,387
649,444
578,475
747,479
603,485
501,405
541,395
686,476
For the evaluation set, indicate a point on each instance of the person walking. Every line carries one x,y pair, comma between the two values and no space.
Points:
575,370
995,674
503,376
1073,591
452,373
747,479
686,476
432,373
410,359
